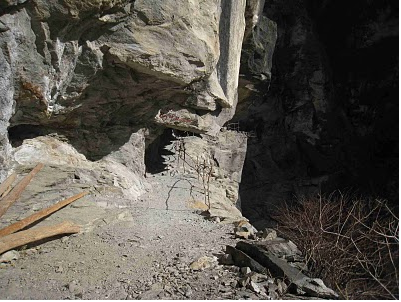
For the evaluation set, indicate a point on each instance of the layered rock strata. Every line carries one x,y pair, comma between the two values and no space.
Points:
98,71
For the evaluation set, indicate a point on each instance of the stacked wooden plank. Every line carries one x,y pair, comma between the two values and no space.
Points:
15,234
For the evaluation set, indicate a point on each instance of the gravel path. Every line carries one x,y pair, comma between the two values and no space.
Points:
145,257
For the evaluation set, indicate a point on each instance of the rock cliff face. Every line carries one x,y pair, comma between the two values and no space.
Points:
97,71
314,84
324,121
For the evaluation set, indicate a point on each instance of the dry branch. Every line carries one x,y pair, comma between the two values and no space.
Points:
24,237
7,201
4,187
352,242
39,215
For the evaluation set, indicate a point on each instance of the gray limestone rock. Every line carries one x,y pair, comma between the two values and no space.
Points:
226,259
9,256
280,268
243,260
259,42
97,73
254,287
245,270
269,234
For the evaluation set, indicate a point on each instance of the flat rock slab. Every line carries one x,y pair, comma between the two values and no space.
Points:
243,260
58,182
88,215
84,212
282,248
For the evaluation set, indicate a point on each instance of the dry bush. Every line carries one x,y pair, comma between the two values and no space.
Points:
202,166
351,243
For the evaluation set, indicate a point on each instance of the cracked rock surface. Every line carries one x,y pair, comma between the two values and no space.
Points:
98,71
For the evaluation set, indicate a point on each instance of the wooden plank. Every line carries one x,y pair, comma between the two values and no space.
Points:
7,184
29,236
6,192
39,215
15,193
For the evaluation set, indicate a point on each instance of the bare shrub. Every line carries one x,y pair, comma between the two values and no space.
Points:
202,166
351,243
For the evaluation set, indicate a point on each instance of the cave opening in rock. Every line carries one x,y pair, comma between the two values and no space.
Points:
160,152
17,134
154,160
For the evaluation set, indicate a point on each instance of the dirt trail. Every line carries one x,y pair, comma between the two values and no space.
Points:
142,252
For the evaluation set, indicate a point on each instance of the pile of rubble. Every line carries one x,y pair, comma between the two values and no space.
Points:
253,265
261,265
271,266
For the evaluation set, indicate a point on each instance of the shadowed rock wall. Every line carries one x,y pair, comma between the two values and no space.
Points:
327,118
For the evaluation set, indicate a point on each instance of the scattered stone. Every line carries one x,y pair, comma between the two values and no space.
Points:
255,277
226,259
273,293
272,287
316,288
227,294
243,235
245,230
245,270
282,248
171,270
289,296
281,287
234,269
79,295
243,282
168,289
9,256
244,294
241,259
31,251
59,269
269,234
74,287
188,292
64,239
202,263
224,289
280,268
216,219
151,294
254,287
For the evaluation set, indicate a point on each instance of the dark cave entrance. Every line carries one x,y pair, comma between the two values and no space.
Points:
154,160
162,147
17,134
